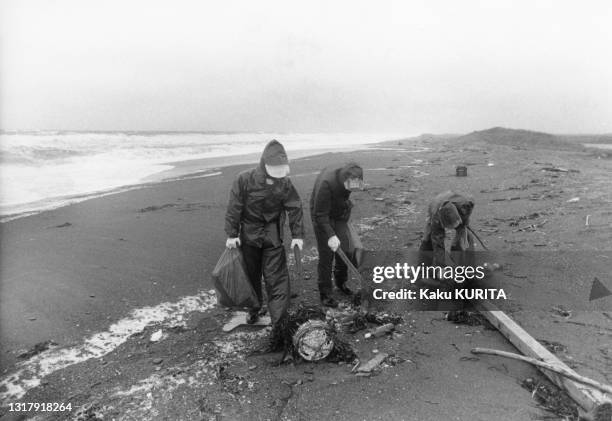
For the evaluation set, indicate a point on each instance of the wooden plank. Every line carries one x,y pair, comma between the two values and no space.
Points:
587,397
373,363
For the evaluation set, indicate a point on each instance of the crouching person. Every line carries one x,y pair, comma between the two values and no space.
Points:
330,210
448,211
260,200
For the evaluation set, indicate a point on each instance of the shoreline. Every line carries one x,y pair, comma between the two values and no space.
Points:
185,169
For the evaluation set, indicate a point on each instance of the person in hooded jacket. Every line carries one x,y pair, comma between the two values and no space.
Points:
448,210
260,201
330,210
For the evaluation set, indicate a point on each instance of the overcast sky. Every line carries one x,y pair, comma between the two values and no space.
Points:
381,66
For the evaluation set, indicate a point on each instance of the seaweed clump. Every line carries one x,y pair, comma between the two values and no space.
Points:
552,399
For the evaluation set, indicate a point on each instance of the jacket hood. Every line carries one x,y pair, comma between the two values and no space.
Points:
274,154
350,170
449,215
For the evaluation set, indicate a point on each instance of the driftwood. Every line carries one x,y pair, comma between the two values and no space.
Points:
552,367
373,363
588,397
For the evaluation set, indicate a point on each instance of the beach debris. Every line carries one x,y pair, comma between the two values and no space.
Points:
514,222
562,311
532,227
91,411
313,340
470,318
503,199
551,398
461,171
573,200
373,363
547,362
552,366
559,169
393,360
341,350
553,346
490,230
157,335
156,208
380,331
64,225
157,361
36,349
349,320
586,222
601,412
343,319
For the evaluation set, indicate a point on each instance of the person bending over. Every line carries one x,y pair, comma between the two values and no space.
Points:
447,211
330,210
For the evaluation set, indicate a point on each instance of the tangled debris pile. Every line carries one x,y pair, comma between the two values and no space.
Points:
342,350
347,318
552,399
470,318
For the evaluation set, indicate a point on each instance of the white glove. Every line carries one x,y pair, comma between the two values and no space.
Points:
333,243
297,242
232,243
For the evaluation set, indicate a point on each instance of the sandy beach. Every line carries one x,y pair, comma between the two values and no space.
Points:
73,272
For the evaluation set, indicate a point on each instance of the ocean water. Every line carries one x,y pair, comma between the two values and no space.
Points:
47,169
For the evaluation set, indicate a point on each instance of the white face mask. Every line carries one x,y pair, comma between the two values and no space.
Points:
353,184
277,171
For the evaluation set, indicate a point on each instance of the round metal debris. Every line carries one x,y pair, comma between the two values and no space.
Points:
313,340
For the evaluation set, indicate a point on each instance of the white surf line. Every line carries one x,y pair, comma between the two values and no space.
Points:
143,399
191,176
30,372
74,199
69,200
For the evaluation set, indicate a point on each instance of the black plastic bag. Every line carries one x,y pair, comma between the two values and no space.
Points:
231,282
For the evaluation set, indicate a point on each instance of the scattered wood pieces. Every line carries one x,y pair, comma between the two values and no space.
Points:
558,169
586,396
559,369
532,227
373,363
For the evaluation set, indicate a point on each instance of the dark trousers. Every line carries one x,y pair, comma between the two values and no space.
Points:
329,261
270,263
